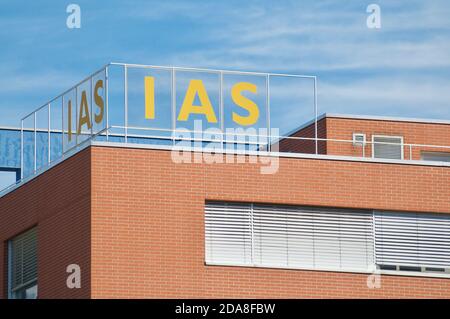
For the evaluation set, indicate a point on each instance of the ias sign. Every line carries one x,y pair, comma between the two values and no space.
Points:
162,100
196,89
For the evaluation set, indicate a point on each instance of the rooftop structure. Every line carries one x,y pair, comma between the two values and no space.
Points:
161,182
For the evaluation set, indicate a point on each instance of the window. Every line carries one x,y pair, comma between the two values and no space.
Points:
359,139
228,233
436,156
288,236
390,147
412,241
326,238
22,265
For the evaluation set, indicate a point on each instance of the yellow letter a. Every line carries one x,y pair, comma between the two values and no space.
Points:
84,119
197,87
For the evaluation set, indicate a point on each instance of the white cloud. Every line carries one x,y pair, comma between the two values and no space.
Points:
416,96
307,37
397,70
20,81
326,37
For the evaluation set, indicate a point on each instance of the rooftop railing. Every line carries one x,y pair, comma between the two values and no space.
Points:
119,104
272,144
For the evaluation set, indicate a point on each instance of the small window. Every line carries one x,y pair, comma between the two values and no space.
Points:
409,268
436,156
387,267
434,269
359,139
389,147
22,265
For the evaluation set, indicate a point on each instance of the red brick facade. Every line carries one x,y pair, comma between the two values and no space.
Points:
412,132
303,140
148,223
59,203
134,221
342,129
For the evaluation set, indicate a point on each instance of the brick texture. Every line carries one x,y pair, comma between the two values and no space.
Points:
148,223
58,202
134,221
303,141
413,133
342,129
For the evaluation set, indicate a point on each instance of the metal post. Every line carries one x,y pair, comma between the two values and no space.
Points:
268,112
174,106
62,125
76,118
222,120
126,101
107,106
410,152
21,150
35,143
49,133
316,115
91,118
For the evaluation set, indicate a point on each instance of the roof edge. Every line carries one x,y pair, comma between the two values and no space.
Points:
384,118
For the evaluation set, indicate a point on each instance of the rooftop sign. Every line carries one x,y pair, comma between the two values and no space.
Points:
128,101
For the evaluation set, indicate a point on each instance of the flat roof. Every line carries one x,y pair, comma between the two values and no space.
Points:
369,118
384,118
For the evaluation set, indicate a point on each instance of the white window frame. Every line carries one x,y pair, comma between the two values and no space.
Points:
12,292
433,153
358,143
388,136
255,209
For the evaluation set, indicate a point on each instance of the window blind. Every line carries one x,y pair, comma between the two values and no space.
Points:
306,237
228,233
390,151
417,240
24,259
288,236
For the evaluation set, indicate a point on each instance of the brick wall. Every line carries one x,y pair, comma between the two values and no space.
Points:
343,129
307,146
148,223
58,201
134,221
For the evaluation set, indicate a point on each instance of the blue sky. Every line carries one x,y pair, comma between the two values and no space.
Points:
402,69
